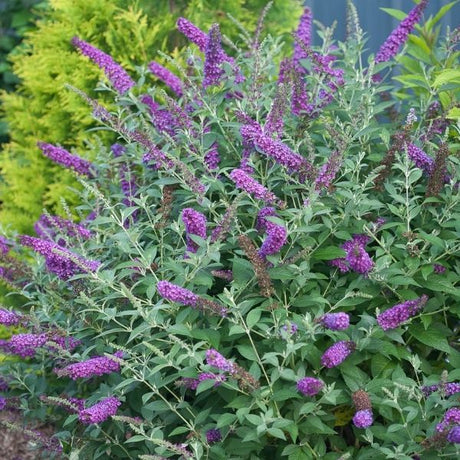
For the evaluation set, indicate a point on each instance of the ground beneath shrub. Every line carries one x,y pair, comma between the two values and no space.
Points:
14,445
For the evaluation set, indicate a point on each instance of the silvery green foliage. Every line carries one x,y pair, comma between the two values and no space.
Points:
209,304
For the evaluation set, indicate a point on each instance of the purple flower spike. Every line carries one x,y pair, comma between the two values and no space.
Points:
24,345
275,240
92,367
420,158
100,411
454,435
328,171
245,182
337,353
214,57
213,435
451,417
448,388
358,259
193,33
215,359
47,226
177,294
273,148
336,321
309,386
66,159
400,313
212,157
195,224
9,318
120,80
302,38
399,35
2,403
60,260
363,418
167,77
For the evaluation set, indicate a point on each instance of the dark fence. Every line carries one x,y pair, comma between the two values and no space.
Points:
376,23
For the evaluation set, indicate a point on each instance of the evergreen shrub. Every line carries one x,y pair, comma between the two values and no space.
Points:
266,266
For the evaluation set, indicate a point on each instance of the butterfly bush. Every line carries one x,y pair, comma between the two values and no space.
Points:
263,261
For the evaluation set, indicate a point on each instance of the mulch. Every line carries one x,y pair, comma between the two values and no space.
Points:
14,445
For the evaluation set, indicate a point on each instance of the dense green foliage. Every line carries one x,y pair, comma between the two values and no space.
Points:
362,182
132,32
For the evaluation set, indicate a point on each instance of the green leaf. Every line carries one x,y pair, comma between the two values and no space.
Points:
447,76
434,338
247,352
398,14
329,253
440,14
314,425
253,317
277,433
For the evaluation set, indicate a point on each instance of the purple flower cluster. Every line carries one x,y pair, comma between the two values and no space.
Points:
2,403
302,38
363,418
261,221
92,367
167,77
290,328
356,259
24,345
309,386
439,269
47,227
336,321
195,224
214,57
120,80
193,33
177,294
4,246
275,239
213,435
451,417
66,159
4,385
399,35
162,119
192,383
215,359
420,158
245,182
273,148
337,353
9,318
400,313
100,411
212,157
66,343
447,388
328,171
454,435
60,260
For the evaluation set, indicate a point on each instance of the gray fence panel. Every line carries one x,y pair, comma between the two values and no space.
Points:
376,23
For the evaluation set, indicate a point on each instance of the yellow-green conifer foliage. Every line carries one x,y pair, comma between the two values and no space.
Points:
42,109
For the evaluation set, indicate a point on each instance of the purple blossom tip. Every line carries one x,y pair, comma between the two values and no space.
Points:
336,321
454,435
363,418
214,57
119,78
100,411
309,386
92,367
167,77
337,353
400,313
213,435
193,33
177,294
215,359
195,224
66,159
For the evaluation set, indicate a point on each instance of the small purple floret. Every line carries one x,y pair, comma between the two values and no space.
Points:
337,353
363,418
309,386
